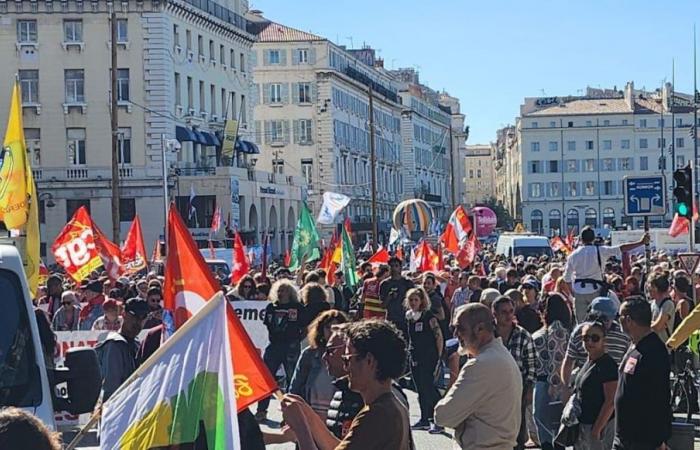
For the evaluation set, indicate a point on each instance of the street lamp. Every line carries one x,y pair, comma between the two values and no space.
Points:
49,199
170,145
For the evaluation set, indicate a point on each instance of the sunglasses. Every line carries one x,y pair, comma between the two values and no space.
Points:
67,303
347,358
247,286
330,351
595,338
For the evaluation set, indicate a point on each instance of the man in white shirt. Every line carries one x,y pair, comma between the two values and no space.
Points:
584,268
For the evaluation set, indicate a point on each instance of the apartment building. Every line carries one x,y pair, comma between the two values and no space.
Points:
479,174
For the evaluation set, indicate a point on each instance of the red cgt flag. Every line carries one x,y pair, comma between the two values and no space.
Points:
74,247
188,285
134,249
241,266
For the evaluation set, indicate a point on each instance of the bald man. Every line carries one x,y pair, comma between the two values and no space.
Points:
483,405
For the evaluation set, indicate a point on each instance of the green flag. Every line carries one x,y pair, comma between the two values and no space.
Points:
306,240
348,263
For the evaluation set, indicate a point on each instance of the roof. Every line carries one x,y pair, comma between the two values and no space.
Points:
275,32
585,106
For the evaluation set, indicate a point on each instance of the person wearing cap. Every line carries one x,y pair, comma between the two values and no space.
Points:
117,353
584,268
93,309
111,320
617,342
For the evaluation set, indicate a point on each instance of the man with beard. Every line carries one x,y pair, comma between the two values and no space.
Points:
483,405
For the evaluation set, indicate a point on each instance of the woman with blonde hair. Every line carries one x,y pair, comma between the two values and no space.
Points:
425,342
284,319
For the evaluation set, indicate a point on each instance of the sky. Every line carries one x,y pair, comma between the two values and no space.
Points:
492,54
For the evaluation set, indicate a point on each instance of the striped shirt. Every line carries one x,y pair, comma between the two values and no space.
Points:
616,344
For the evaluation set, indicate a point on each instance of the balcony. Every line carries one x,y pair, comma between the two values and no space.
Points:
85,173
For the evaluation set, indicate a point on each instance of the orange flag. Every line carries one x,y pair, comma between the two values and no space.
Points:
74,247
240,262
188,285
134,249
381,256
679,226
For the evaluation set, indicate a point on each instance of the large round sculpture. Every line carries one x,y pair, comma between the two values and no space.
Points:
413,215
485,220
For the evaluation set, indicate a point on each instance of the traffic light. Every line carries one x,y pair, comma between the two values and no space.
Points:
683,192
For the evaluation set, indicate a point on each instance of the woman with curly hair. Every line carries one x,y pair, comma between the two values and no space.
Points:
311,381
245,289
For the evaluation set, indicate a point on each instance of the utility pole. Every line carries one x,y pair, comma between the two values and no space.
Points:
373,166
452,171
115,130
695,112
673,133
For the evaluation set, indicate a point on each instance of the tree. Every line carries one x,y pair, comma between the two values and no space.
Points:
505,220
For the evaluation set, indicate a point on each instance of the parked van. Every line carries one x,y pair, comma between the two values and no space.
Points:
27,376
523,244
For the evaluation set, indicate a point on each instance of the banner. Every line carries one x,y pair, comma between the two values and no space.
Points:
333,203
74,247
230,135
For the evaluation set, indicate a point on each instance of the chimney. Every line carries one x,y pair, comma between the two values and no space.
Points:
629,95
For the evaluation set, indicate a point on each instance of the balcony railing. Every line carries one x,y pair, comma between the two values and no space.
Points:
78,173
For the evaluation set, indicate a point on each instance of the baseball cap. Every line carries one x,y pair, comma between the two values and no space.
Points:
95,286
604,306
136,306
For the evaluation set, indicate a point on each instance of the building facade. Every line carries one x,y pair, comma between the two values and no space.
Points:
478,174
506,170
575,152
182,71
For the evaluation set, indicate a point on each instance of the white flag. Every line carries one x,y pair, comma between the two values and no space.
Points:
184,393
394,236
333,203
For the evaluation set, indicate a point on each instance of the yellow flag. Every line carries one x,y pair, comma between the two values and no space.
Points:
230,134
13,164
32,258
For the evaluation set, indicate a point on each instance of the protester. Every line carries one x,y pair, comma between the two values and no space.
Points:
93,309
342,292
20,429
372,307
284,321
550,346
584,268
462,293
110,320
662,307
392,293
483,405
54,286
437,304
511,281
67,317
374,355
425,344
643,397
596,383
315,301
527,310
519,343
488,296
154,297
117,354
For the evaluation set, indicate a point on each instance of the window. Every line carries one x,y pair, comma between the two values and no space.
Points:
572,189
72,31
679,122
590,188
274,56
625,163
303,55
244,110
124,143
624,122
553,146
123,32
589,165
535,167
222,55
680,142
29,83
662,163
212,55
608,165
535,146
176,35
554,189
554,220
278,166
535,190
275,93
660,123
478,173
201,96
232,59
553,166
571,165
643,163
607,144
178,94
307,170
123,85
75,85
571,145
589,123
76,146
305,131
589,145
535,125
127,209
190,94
609,217
304,94
625,144
661,143
32,137
203,207
643,143
606,123
188,38
276,131
471,173
570,124
72,205
591,217
642,123
26,31
607,187
241,64
536,221
200,45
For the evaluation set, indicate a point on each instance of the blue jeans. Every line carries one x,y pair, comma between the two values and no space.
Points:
547,417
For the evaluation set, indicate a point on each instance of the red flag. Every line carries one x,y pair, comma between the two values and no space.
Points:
426,258
457,230
240,262
399,253
569,241
188,284
441,261
558,244
110,253
156,255
74,247
212,252
134,249
468,252
216,220
381,256
679,226
287,258
266,243
348,226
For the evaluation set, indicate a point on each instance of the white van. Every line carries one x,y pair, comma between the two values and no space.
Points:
25,380
523,244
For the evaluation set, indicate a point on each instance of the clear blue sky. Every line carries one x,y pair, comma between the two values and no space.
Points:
492,54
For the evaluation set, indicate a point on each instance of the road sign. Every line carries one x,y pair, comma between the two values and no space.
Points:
645,196
690,261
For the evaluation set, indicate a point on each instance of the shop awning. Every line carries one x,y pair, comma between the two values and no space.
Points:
211,139
184,134
246,147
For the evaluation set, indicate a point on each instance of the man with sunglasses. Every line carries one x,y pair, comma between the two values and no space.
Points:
117,353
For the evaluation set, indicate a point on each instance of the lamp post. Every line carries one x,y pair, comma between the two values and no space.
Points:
172,145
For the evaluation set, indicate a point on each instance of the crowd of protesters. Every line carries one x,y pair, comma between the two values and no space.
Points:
505,354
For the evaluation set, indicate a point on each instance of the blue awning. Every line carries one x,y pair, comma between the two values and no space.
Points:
184,134
246,147
211,139
201,139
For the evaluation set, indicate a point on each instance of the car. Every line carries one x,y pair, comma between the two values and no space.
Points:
523,244
25,380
